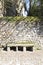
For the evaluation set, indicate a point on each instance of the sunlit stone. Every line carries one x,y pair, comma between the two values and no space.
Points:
1,12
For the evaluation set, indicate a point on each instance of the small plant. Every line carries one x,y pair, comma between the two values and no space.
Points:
38,48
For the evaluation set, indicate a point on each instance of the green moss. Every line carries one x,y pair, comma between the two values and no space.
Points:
20,18
25,42
32,19
37,46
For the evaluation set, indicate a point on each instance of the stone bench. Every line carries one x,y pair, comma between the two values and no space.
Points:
24,47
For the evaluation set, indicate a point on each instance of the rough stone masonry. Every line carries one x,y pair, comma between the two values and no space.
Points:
23,31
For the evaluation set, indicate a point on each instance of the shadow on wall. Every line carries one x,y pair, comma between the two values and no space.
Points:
11,11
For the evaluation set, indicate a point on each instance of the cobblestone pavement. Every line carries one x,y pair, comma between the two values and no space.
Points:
21,58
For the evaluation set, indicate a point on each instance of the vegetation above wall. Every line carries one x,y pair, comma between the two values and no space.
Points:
20,18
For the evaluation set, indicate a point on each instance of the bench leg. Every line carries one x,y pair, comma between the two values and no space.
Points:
16,48
8,48
24,49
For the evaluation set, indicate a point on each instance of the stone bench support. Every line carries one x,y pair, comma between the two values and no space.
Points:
8,48
24,49
16,48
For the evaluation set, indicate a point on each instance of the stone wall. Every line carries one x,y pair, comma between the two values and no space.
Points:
23,31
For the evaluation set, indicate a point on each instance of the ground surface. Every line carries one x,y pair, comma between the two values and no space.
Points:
21,58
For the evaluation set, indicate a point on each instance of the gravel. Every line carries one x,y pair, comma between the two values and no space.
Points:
21,57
